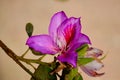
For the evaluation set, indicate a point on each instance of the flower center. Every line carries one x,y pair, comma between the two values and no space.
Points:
69,34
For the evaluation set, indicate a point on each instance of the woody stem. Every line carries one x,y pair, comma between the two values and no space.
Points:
11,54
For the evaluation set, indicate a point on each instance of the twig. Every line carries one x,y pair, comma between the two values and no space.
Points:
25,52
37,61
11,54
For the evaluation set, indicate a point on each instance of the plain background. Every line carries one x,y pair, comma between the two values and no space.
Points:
100,21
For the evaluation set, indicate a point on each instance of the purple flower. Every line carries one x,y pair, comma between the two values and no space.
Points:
64,38
95,65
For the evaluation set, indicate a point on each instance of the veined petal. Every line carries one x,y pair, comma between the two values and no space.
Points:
69,57
42,43
94,52
82,39
56,20
91,72
92,67
69,30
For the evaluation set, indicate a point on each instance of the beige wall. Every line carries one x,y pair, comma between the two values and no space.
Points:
100,20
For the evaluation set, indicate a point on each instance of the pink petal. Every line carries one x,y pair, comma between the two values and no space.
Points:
82,39
91,72
94,52
56,21
43,44
69,31
68,57
92,67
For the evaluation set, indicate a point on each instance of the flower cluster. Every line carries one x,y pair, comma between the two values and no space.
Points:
66,39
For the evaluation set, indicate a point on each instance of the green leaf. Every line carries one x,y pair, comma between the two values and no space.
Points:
42,73
71,74
78,77
29,29
82,50
81,55
83,61
68,73
54,65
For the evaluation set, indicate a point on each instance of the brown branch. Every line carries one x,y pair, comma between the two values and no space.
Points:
11,54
